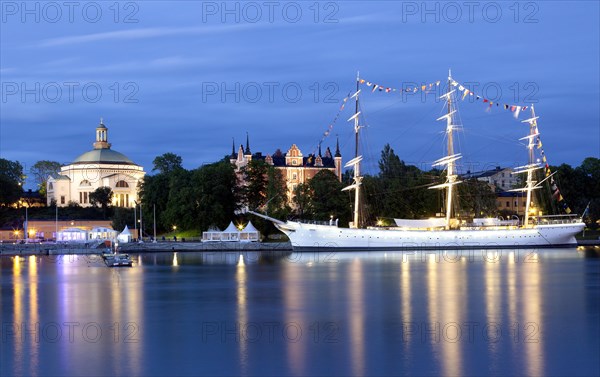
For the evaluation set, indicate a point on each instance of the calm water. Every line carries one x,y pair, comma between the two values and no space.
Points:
478,313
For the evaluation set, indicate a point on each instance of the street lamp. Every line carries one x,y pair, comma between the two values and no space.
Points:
135,218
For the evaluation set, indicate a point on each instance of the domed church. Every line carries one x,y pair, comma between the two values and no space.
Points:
102,166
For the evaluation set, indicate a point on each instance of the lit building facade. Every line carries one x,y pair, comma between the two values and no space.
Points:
296,167
100,167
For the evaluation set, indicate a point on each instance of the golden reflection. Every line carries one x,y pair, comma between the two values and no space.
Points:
452,277
242,311
357,304
405,302
294,299
132,312
529,329
18,317
175,262
33,311
405,288
511,281
492,289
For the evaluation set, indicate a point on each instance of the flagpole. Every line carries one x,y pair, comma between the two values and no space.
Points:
154,220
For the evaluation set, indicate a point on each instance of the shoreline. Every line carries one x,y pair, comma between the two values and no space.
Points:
69,249
159,247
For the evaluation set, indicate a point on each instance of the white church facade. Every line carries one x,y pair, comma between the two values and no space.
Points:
102,166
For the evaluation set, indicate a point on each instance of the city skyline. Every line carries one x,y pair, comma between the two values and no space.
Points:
190,82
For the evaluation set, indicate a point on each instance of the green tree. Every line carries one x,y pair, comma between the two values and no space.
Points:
181,206
303,201
255,177
215,194
167,163
328,199
121,217
40,172
102,197
477,199
11,181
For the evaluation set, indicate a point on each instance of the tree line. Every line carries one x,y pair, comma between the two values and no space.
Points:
214,194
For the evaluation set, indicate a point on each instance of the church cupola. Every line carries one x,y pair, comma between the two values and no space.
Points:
101,137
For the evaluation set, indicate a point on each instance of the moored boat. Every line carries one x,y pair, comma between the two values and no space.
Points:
445,232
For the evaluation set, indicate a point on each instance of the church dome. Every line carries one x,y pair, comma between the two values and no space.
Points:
103,156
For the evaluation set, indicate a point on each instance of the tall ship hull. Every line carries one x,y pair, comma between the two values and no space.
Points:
307,237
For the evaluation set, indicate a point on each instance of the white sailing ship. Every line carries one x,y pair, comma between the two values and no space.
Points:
438,233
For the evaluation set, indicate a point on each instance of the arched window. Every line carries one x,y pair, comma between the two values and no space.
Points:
85,182
122,184
50,186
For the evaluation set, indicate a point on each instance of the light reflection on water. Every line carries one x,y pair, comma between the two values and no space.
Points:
523,312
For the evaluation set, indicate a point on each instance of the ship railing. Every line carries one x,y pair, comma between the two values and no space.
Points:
557,219
316,222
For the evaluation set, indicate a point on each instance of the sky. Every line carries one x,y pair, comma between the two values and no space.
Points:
187,77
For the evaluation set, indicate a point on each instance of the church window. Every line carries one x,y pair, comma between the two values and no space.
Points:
50,186
85,182
62,199
122,184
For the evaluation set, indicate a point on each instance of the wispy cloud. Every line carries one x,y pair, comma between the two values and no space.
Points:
142,33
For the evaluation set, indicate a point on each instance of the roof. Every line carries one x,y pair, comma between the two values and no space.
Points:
103,156
249,228
486,173
307,161
231,229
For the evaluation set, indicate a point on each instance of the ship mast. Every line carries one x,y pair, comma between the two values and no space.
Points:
355,162
450,159
530,184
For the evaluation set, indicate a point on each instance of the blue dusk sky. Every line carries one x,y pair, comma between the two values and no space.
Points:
188,76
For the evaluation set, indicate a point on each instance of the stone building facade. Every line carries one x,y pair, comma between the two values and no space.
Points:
102,166
297,168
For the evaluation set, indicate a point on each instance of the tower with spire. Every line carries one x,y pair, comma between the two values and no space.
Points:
101,137
337,158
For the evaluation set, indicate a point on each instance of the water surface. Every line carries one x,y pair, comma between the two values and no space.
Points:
522,312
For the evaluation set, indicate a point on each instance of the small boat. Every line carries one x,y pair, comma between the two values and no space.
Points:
117,260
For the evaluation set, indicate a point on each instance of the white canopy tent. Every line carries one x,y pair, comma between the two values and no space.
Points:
249,233
102,233
72,235
231,234
213,234
125,235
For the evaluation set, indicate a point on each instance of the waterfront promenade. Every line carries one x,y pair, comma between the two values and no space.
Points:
10,249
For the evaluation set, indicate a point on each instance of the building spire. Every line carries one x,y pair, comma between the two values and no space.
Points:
247,152
320,149
337,147
233,147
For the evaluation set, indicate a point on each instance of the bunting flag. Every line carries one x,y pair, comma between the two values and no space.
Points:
556,195
330,126
515,109
408,89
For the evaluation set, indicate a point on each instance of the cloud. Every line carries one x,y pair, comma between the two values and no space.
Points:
143,33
